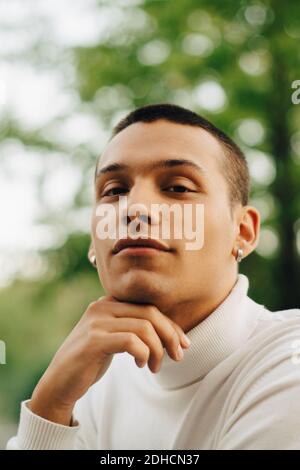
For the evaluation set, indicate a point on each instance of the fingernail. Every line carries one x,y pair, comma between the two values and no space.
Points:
179,352
186,340
140,363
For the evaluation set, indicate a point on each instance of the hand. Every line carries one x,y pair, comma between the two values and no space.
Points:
106,327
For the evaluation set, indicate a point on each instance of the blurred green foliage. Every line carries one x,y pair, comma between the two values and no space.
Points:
36,317
252,50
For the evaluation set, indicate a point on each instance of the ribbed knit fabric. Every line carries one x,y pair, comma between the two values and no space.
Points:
36,433
237,387
212,340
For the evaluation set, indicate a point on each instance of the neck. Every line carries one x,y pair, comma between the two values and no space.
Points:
189,313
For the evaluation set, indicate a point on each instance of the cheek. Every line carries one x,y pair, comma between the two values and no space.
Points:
102,249
93,228
218,230
103,244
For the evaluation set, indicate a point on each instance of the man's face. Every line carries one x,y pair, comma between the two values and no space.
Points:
179,276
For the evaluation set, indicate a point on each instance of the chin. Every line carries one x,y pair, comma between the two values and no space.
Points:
140,288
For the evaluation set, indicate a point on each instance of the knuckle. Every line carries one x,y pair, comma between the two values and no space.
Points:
92,309
146,327
129,340
91,306
93,324
95,306
151,310
92,337
172,336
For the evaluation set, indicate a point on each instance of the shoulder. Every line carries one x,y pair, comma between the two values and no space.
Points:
271,356
262,410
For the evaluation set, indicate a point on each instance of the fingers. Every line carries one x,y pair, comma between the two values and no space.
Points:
118,342
170,334
144,330
185,342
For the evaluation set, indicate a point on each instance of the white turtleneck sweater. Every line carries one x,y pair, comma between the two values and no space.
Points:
237,387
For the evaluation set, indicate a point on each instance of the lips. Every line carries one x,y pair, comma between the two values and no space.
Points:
139,242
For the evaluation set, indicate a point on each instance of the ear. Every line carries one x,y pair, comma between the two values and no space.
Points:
248,230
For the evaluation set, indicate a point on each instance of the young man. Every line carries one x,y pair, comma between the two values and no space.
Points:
223,372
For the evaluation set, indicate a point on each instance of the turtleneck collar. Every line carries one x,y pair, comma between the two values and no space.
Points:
212,340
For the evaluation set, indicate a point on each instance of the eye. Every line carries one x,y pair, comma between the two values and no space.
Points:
117,188
181,188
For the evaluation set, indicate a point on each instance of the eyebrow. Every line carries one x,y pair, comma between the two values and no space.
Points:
169,163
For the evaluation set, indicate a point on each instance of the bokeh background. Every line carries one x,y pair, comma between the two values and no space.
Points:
69,70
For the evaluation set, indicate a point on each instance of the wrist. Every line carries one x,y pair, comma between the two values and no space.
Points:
49,409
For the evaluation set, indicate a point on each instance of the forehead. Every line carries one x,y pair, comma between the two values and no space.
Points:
148,142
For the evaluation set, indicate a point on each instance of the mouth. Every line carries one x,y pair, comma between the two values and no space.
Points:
142,246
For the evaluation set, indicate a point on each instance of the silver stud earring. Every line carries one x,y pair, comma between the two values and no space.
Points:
93,261
239,255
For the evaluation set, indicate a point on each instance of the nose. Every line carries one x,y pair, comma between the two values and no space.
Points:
139,202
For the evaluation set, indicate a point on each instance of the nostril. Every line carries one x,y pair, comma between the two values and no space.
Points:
143,217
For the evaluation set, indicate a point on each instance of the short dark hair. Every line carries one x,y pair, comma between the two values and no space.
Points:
235,164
